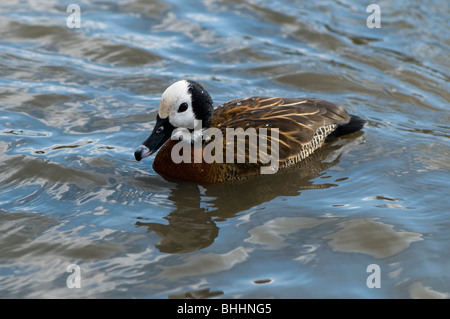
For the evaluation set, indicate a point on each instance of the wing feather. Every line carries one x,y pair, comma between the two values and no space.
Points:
300,122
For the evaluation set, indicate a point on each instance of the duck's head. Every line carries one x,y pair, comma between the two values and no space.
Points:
182,104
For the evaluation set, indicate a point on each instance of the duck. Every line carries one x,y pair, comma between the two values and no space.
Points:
198,142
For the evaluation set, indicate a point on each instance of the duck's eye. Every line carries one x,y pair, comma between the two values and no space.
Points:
160,129
183,107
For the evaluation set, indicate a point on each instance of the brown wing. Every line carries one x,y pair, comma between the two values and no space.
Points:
302,123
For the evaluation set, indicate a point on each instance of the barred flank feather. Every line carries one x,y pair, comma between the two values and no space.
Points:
303,124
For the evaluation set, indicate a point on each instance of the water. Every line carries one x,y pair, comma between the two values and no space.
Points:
75,103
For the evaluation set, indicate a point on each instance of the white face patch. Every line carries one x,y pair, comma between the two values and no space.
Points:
172,98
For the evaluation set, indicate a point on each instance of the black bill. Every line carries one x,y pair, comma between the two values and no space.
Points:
161,133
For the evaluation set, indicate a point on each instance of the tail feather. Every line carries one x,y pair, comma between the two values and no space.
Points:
355,124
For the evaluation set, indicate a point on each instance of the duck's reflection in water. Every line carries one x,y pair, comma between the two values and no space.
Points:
192,225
